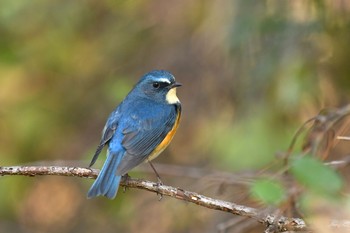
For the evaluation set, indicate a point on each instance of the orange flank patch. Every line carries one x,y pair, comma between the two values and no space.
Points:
161,147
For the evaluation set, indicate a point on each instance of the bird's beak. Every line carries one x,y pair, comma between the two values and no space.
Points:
175,85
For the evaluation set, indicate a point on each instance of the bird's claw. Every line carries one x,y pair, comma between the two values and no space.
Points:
159,181
158,184
125,178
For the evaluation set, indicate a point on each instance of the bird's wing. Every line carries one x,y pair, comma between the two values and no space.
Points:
141,139
107,134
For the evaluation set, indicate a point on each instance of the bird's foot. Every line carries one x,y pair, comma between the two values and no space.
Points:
90,169
159,181
158,184
125,179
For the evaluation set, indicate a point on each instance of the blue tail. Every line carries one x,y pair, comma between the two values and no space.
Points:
107,182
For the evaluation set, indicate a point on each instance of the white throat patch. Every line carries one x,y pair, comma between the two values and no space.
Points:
171,96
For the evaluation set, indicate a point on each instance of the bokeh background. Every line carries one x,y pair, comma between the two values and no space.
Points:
252,73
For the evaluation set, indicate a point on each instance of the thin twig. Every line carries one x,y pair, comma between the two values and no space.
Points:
347,138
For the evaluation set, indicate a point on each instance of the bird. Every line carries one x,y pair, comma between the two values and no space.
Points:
138,130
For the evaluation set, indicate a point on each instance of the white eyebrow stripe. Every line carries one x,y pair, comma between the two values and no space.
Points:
163,80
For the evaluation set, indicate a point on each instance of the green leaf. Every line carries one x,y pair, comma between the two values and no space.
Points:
268,191
316,176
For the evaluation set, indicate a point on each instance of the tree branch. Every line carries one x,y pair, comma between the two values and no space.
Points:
272,222
280,224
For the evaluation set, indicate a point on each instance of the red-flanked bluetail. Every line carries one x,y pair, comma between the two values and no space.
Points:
138,130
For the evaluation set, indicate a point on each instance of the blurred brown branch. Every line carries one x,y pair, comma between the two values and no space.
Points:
322,132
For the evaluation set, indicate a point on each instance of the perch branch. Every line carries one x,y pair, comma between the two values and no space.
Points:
278,223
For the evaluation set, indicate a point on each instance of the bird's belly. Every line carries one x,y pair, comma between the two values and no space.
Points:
161,147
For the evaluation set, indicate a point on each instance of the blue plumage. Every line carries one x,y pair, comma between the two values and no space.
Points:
107,182
137,129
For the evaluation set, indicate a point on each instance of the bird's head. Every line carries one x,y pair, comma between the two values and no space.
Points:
160,86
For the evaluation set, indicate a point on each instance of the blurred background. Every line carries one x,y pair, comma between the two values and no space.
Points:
252,73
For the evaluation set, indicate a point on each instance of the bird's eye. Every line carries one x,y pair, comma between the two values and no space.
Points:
156,85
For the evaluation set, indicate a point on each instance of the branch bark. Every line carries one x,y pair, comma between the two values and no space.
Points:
278,223
273,223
